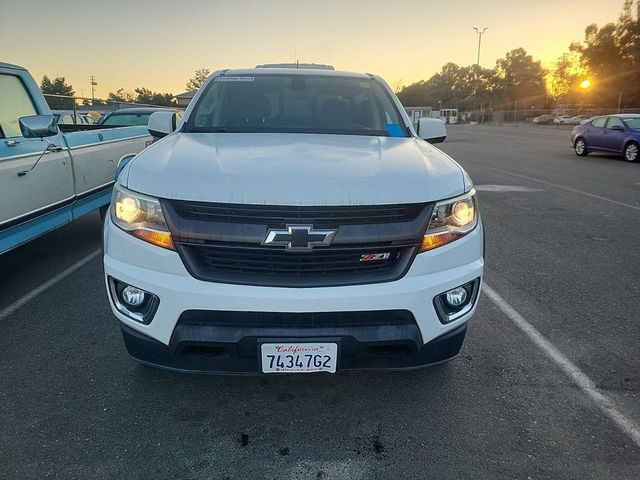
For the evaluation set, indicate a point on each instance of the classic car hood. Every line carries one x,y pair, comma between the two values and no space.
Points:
294,169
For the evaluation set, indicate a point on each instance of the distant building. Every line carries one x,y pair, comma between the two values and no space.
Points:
447,115
416,113
184,98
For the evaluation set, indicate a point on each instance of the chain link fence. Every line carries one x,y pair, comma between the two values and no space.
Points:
502,117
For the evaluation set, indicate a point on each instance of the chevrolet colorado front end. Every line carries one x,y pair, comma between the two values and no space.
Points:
294,222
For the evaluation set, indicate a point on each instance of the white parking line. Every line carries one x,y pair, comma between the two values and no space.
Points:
5,312
574,190
578,377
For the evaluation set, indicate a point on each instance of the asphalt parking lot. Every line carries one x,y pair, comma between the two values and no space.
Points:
547,385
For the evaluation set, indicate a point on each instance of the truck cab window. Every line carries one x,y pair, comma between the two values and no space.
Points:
15,102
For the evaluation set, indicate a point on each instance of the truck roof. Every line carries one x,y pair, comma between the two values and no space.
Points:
293,71
9,65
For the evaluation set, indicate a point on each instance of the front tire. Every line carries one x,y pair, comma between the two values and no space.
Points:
580,147
631,152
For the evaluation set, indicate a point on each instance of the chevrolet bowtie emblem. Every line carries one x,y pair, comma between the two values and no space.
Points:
299,237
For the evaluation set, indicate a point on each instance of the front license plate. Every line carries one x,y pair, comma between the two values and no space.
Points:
299,357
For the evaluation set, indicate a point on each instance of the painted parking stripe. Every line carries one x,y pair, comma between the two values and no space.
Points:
5,312
578,377
564,187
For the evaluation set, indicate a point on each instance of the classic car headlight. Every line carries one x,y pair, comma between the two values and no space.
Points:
451,220
141,216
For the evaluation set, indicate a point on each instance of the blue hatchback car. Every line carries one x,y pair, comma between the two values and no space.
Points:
610,133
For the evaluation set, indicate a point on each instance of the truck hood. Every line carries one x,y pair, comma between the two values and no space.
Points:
294,169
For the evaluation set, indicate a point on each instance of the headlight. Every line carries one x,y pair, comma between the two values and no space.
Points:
451,220
141,216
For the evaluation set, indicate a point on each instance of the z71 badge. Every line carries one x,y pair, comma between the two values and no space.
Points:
374,257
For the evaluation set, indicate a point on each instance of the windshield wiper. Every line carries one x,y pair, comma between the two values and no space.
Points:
207,130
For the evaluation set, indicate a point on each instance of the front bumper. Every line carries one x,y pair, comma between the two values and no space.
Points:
163,342
237,351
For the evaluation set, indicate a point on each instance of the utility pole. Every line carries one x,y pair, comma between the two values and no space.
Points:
480,33
93,87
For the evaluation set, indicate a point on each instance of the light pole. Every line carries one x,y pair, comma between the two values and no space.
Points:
480,33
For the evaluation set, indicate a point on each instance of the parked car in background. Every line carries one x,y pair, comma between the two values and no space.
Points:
618,134
88,119
68,117
578,118
587,119
134,116
562,120
49,178
543,119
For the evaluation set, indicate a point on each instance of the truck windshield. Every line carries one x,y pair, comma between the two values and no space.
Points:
296,104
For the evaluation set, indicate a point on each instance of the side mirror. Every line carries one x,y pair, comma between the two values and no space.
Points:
616,127
161,124
38,126
432,130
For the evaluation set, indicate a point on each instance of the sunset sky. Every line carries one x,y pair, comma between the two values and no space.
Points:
158,44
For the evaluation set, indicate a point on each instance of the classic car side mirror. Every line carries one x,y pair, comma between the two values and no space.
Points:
38,126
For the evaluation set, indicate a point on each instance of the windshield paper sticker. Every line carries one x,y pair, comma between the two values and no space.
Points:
234,79
394,130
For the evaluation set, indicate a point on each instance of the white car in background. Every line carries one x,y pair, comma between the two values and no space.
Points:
543,119
562,120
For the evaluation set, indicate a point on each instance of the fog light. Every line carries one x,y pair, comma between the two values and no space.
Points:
133,302
134,297
457,302
456,297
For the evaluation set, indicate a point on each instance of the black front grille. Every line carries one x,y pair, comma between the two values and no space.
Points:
273,261
296,320
223,243
275,216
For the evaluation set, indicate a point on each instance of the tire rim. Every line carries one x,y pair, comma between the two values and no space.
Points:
631,152
580,147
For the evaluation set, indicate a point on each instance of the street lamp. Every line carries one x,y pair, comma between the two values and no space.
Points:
480,33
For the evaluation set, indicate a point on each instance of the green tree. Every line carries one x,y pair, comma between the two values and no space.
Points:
520,81
198,79
466,88
57,87
121,95
612,55
144,95
564,78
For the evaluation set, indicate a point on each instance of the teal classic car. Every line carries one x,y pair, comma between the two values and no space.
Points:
49,178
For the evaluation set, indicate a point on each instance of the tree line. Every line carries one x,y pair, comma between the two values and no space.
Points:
58,86
598,72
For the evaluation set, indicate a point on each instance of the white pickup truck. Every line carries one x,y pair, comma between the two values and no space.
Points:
294,222
49,178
